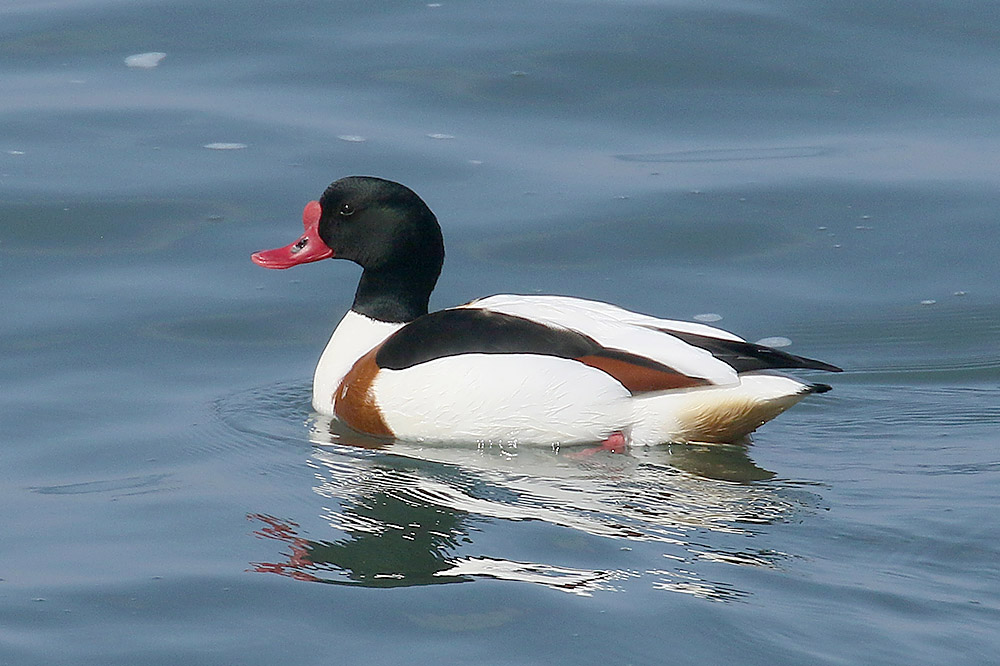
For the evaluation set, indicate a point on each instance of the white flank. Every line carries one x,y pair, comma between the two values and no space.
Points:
502,398
542,400
355,336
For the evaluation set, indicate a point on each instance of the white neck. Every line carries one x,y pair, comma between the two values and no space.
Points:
355,336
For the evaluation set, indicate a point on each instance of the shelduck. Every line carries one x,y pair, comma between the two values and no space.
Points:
547,370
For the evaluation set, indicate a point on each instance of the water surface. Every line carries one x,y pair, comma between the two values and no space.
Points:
825,174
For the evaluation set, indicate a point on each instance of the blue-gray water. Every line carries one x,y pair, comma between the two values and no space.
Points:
824,172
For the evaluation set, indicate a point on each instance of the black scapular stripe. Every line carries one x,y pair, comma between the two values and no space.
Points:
477,331
747,356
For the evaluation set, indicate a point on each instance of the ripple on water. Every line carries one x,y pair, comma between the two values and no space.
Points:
260,416
730,154
953,343
132,485
879,411
101,227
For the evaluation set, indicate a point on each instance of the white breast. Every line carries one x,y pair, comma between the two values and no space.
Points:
355,336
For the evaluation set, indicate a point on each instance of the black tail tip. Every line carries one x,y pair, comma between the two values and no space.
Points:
819,388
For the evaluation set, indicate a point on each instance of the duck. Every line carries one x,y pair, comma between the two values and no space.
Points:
515,369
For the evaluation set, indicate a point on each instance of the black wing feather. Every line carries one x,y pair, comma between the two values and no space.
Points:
476,331
747,356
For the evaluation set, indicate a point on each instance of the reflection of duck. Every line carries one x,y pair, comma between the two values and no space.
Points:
392,544
724,462
402,528
416,514
535,369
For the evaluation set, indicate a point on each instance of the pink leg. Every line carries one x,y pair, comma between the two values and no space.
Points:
615,443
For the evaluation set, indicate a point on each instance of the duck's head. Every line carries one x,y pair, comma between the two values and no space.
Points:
382,226
370,221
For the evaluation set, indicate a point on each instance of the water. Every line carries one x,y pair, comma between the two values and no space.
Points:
822,174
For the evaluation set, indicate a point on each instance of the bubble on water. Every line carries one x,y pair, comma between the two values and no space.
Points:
225,146
439,136
352,138
707,317
145,60
929,301
775,341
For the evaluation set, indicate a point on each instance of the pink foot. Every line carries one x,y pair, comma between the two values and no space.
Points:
615,443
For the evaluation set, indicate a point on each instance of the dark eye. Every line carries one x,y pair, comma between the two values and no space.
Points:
346,209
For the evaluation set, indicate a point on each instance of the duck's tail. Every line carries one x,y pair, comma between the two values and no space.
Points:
720,414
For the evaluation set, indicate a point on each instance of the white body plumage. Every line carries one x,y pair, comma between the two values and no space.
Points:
546,400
